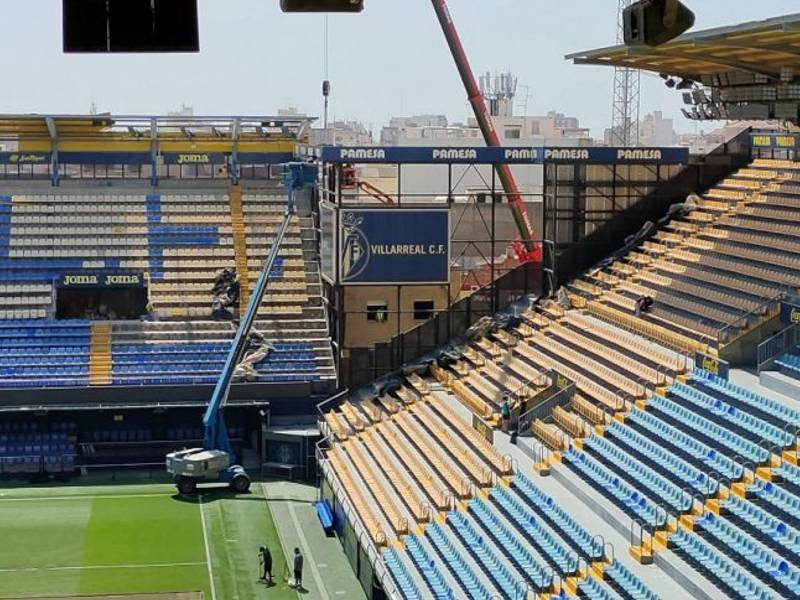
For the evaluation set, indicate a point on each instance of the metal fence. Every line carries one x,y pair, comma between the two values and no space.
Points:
364,365
779,343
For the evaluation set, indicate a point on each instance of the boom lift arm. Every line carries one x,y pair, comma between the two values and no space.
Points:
215,461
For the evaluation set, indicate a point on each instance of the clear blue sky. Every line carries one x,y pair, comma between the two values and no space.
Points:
390,60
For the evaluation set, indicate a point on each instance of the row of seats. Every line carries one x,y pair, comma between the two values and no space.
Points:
771,527
49,235
534,534
711,283
669,444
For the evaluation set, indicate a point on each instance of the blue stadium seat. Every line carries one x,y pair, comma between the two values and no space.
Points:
427,568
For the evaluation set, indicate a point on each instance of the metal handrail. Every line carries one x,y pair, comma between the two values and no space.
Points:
321,406
610,556
768,350
743,320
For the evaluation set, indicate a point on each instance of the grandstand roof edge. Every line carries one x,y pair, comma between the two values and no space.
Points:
119,117
779,23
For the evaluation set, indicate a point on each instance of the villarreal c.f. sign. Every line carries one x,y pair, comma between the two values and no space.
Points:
394,246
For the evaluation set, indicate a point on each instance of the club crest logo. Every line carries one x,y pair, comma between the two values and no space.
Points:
355,247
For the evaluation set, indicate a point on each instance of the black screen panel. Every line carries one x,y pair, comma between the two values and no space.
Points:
131,26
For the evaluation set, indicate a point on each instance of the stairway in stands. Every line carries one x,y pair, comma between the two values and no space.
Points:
100,360
239,243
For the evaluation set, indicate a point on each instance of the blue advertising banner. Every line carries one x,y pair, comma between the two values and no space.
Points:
101,280
524,156
394,246
24,158
775,140
712,364
790,313
104,158
327,241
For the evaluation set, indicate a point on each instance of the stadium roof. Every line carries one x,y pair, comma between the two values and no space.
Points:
106,126
764,48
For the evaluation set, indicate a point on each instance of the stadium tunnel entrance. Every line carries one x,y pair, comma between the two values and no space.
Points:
111,296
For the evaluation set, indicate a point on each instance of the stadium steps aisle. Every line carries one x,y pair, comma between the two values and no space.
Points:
100,360
239,243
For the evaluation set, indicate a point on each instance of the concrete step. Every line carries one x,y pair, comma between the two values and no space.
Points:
780,383
680,572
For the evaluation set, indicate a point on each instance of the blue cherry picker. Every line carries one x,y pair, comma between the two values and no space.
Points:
215,462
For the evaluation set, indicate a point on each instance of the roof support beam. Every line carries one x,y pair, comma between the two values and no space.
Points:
233,167
779,47
52,131
154,151
705,58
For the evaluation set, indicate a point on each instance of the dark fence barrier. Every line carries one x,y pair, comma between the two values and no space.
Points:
361,366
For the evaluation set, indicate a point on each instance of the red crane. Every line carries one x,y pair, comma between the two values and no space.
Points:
527,247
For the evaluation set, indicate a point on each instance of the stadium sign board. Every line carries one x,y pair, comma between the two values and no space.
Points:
25,158
713,364
790,313
194,158
521,156
482,427
778,141
101,280
394,246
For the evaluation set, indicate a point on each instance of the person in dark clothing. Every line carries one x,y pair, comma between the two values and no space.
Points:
643,304
265,559
298,569
505,413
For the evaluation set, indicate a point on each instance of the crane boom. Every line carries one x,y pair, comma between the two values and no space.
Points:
533,249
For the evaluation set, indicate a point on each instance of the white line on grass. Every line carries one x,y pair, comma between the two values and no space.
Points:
81,497
303,543
208,552
307,550
89,567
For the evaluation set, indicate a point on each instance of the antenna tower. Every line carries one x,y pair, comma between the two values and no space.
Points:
627,96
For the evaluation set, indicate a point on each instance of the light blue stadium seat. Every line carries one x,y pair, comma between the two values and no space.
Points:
457,564
427,568
720,435
510,543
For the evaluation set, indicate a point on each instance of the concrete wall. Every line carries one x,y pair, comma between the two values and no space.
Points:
361,332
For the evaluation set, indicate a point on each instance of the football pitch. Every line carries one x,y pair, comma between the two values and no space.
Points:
136,539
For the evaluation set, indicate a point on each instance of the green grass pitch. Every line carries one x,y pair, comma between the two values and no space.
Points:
69,541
